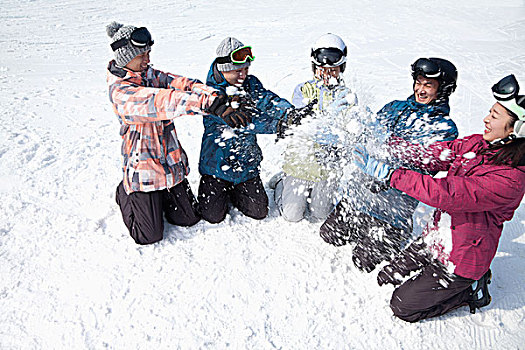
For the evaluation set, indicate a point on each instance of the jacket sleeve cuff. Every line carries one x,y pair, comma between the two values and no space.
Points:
395,177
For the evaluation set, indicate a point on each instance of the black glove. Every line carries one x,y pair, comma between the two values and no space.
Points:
294,118
296,115
236,118
219,105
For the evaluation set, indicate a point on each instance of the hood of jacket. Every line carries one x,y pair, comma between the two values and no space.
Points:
216,78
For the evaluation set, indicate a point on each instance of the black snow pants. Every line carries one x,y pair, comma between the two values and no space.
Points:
375,239
215,195
142,211
432,292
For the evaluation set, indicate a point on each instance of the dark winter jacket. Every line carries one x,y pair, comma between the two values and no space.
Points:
416,123
478,196
233,154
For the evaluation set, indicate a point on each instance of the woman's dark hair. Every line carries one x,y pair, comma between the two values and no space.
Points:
511,153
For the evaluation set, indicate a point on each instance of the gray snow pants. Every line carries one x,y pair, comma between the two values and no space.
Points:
293,196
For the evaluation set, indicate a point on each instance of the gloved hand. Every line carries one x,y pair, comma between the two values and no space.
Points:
296,115
372,166
233,117
219,105
237,118
344,98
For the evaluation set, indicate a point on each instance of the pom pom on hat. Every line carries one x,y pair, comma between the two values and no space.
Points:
113,28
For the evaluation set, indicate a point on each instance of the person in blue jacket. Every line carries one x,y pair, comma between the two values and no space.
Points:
230,157
379,221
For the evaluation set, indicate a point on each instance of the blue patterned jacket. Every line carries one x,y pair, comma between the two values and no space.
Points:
233,154
417,123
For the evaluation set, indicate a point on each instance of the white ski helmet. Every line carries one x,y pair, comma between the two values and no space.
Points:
329,50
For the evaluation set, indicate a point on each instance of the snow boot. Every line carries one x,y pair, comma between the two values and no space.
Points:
479,296
272,183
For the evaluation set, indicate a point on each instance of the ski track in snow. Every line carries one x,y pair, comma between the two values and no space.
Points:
72,277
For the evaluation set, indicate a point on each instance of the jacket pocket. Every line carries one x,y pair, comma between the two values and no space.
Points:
472,241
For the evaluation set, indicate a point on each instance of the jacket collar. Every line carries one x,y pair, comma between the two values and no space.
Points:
123,72
439,106
215,77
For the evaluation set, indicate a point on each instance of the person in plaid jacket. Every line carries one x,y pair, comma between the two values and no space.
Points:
155,165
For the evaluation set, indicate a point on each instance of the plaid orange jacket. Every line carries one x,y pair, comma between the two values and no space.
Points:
145,103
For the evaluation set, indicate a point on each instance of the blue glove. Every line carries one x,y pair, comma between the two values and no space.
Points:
371,166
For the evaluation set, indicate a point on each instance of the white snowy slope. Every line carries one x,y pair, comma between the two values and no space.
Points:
72,278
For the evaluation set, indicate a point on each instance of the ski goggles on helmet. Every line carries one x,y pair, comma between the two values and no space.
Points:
506,93
426,68
238,56
328,57
140,37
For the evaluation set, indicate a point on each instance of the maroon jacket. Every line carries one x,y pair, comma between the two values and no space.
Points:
478,196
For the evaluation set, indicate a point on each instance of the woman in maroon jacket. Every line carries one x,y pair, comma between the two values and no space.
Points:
484,186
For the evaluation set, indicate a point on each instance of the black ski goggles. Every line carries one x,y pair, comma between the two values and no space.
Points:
140,37
328,57
426,68
506,89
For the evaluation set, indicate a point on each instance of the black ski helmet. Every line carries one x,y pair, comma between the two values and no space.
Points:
437,68
329,50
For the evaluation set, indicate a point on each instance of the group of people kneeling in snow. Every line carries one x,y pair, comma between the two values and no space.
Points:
449,263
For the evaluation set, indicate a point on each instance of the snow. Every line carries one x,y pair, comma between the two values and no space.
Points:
72,278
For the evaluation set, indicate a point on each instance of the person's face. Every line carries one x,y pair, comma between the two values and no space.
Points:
140,62
236,77
425,89
497,123
327,73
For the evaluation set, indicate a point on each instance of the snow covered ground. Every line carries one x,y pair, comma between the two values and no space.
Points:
72,278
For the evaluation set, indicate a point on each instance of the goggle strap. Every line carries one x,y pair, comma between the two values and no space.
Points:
123,42
519,129
118,44
515,108
223,59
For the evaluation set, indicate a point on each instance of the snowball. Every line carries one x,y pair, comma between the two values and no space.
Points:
232,90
